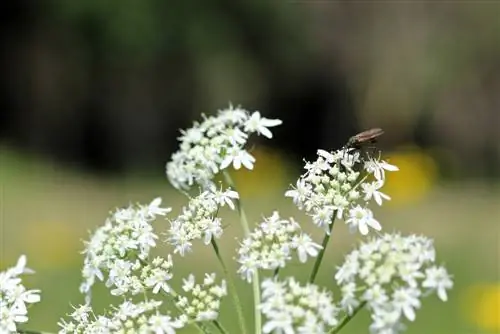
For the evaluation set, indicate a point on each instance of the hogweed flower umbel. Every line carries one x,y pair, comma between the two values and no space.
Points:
214,144
14,298
292,308
199,220
391,274
340,185
128,317
119,248
204,299
270,246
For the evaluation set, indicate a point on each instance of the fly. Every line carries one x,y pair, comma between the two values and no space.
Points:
368,136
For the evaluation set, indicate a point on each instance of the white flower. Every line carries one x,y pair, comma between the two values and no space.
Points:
362,219
270,246
157,276
300,193
259,124
237,157
386,321
128,317
153,209
387,273
198,220
371,190
436,278
236,136
292,308
406,300
14,297
323,217
202,301
215,144
349,301
305,247
376,294
378,167
234,115
115,248
280,322
164,324
227,197
336,186
20,267
347,272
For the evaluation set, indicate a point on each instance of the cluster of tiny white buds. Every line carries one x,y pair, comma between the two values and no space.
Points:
270,245
199,219
390,274
142,317
340,185
120,248
14,297
204,299
291,308
214,144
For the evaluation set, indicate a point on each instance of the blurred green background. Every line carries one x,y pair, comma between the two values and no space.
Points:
94,94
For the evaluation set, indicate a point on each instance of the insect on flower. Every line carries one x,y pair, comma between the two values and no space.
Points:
368,136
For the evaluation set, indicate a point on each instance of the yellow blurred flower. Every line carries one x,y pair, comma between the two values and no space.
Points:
52,244
269,174
481,305
415,178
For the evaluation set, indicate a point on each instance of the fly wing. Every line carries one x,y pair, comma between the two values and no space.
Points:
368,135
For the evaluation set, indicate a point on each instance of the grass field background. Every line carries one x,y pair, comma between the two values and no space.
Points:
47,210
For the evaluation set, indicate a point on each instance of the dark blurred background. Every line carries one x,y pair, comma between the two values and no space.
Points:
107,84
94,94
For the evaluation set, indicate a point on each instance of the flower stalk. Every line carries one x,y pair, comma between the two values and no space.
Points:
324,244
347,318
232,288
255,278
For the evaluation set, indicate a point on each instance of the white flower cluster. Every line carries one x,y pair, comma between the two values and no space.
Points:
270,244
204,301
334,187
291,308
14,297
214,144
199,219
118,249
128,317
390,274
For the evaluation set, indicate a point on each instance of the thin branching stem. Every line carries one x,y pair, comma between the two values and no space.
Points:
347,318
243,217
255,278
220,327
232,288
317,263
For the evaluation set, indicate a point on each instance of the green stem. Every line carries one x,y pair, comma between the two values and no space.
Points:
220,327
232,288
317,263
255,278
27,331
346,319
239,205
